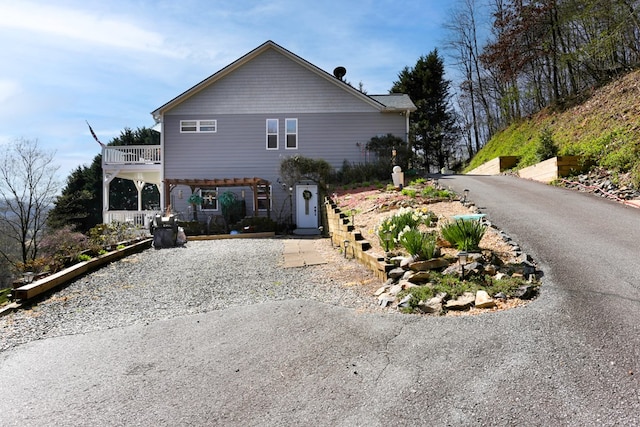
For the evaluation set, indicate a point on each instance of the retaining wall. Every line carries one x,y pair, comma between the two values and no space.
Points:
495,166
552,169
340,230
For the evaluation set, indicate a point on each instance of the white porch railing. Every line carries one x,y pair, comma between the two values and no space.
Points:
139,218
132,154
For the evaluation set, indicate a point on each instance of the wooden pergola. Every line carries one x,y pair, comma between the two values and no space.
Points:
194,184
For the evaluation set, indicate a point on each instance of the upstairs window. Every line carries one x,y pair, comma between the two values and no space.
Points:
193,126
291,133
272,134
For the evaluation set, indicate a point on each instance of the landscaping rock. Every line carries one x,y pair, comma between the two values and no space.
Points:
431,264
525,292
432,305
483,300
381,290
396,273
386,299
463,302
404,302
419,277
395,290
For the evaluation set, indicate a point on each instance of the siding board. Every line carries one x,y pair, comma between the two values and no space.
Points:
271,83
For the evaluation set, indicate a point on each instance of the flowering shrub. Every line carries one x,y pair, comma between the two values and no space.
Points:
61,246
390,228
103,235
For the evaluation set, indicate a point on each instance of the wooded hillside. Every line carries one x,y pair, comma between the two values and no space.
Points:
605,129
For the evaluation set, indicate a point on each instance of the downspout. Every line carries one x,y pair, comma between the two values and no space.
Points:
407,139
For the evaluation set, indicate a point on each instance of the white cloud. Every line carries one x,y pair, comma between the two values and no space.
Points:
80,26
8,90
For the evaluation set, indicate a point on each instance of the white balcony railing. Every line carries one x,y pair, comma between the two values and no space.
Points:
138,218
132,155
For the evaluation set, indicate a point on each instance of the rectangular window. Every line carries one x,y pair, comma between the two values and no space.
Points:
209,199
193,126
291,133
264,198
188,126
272,134
208,125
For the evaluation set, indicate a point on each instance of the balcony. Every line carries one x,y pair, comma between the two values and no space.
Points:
131,155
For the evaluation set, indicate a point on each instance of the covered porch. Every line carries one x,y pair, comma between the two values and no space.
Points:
195,184
141,164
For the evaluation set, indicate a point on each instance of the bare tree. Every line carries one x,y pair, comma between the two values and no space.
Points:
28,186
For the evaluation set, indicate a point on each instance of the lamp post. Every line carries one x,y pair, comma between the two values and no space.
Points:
465,195
346,246
290,208
462,257
387,237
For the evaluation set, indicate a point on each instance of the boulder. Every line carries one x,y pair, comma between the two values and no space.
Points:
396,273
419,277
463,302
432,305
483,300
525,292
431,264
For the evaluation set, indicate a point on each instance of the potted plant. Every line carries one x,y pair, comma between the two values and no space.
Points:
195,199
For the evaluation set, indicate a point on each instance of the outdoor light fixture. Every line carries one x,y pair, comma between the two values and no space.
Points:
462,257
27,277
387,237
465,194
346,246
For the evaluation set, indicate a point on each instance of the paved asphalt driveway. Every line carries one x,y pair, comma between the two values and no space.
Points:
572,357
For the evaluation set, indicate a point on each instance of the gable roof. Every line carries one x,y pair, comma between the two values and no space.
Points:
392,102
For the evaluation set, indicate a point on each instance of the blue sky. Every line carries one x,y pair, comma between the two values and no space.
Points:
113,62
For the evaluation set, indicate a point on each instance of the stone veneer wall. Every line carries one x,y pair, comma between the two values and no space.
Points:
341,230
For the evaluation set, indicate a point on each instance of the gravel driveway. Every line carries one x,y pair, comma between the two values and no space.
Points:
200,277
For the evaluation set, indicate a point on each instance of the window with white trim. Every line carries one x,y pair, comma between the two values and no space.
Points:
291,133
272,134
195,126
264,197
209,199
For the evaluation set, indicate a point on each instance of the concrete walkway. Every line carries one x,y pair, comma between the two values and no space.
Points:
301,252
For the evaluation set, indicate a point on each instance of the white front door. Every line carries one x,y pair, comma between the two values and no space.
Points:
307,206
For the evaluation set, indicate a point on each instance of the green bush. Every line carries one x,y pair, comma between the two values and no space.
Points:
418,243
546,147
465,235
409,192
432,192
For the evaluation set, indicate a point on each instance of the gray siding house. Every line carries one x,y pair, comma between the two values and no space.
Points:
231,131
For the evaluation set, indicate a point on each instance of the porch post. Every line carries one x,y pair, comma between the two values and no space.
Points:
106,181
